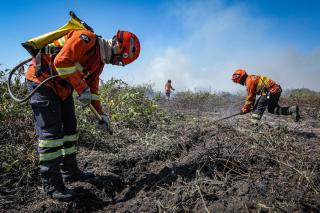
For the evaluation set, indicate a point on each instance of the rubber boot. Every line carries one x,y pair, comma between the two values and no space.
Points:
294,111
61,193
53,185
71,172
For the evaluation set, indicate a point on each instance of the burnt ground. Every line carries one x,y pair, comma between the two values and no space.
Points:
187,163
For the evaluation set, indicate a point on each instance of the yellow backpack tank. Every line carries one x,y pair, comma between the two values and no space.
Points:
34,45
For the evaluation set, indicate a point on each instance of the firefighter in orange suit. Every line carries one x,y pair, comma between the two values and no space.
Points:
78,58
269,93
167,88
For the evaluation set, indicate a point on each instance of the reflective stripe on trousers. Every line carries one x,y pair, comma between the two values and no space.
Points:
55,123
69,146
52,149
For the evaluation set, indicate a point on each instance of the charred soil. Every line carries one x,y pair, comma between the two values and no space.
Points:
188,162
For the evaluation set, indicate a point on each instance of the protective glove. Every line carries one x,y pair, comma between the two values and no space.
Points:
104,123
85,97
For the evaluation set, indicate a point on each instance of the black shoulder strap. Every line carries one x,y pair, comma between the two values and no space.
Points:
38,64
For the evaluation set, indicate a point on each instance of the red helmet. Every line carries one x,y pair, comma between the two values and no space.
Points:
239,76
130,48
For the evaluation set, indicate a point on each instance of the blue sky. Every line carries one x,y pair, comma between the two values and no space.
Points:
196,44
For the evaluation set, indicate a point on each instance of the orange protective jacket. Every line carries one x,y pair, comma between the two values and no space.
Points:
168,87
258,85
78,65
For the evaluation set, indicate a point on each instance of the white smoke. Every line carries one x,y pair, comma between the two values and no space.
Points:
217,39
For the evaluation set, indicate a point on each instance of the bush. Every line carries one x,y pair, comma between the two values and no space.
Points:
128,104
7,106
17,145
302,97
201,100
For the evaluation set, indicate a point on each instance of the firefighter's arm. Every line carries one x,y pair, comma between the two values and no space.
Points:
94,88
248,105
104,123
67,66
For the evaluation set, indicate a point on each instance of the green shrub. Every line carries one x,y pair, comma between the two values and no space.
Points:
128,104
9,108
302,97
201,100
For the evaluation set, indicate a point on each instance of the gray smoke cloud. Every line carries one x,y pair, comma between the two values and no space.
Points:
219,39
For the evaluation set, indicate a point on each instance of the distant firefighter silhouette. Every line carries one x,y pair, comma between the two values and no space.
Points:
168,89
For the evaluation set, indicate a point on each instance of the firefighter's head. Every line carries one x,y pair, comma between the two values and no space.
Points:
125,48
239,76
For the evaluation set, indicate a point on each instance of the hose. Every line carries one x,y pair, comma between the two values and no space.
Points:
33,91
230,116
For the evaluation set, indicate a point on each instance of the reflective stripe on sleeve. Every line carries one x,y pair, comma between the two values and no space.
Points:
51,143
79,66
50,156
66,70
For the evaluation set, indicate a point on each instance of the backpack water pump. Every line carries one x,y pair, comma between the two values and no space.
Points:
34,47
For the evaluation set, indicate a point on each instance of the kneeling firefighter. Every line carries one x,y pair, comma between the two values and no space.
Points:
269,93
77,58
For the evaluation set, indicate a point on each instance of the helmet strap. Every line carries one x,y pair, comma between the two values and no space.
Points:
243,79
117,58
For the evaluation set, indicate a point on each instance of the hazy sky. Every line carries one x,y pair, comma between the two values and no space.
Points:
196,44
